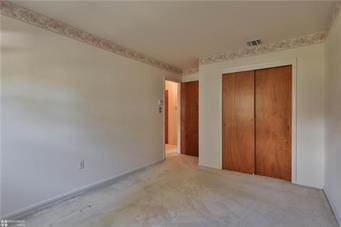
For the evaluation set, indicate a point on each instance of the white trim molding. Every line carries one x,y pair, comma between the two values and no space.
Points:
15,11
31,210
301,41
332,205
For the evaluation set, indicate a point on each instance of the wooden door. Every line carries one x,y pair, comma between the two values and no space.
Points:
166,116
189,118
238,122
273,122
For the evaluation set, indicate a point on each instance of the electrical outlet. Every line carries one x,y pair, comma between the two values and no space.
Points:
81,164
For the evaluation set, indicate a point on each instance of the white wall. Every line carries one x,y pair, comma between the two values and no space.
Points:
64,101
172,88
333,117
310,110
190,77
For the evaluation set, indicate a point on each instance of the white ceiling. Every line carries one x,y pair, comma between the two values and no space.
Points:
180,32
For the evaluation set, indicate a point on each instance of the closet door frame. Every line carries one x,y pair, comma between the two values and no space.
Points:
272,64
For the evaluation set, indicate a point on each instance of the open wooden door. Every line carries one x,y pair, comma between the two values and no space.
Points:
190,118
166,116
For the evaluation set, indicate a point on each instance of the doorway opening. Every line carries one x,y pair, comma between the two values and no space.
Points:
172,118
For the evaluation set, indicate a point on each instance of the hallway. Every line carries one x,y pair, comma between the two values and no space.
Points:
177,192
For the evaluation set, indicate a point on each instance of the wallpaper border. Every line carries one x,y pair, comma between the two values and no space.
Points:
15,11
335,13
301,41
190,71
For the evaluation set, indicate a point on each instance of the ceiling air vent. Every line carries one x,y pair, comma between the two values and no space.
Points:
254,43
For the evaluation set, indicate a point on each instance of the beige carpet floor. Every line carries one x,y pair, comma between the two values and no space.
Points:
177,192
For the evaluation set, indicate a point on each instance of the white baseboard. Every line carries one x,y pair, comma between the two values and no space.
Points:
22,214
332,206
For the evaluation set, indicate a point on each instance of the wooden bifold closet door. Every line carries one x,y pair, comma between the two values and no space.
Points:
273,122
257,115
238,122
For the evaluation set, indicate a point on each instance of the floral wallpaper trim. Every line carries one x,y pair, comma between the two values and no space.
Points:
190,71
301,41
12,10
335,12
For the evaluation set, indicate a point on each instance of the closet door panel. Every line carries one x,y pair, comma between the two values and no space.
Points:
273,101
238,122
